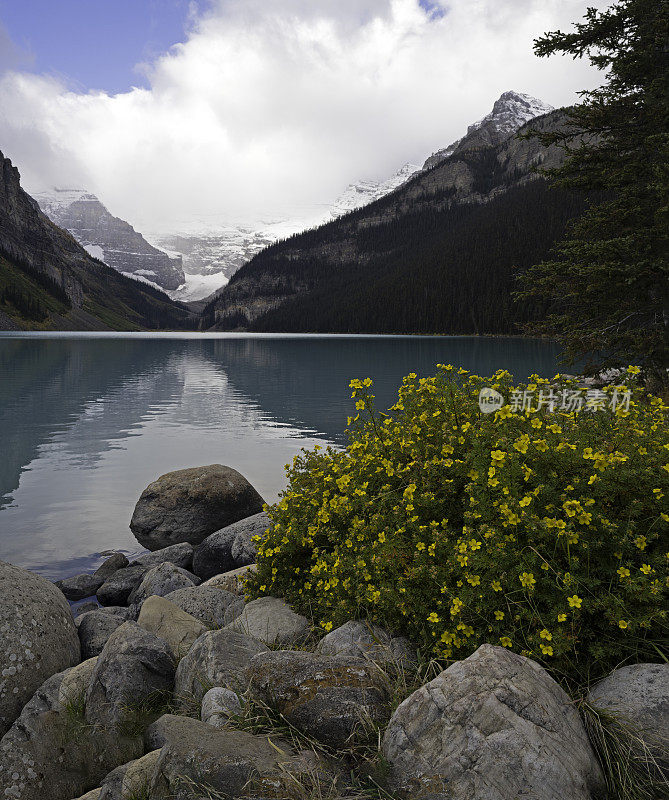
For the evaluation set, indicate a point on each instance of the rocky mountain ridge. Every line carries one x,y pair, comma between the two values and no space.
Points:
48,280
110,238
475,173
509,113
218,250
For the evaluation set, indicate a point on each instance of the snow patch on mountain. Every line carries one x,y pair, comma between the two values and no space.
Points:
362,193
108,238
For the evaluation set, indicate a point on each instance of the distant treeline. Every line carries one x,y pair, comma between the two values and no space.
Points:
430,271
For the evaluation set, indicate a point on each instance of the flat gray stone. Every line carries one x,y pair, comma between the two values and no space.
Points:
80,586
232,581
494,726
272,621
190,504
181,555
214,607
179,629
233,763
218,658
326,697
37,638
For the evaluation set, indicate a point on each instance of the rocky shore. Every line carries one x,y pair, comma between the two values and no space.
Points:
168,683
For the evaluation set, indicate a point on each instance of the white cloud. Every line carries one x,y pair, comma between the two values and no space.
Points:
271,105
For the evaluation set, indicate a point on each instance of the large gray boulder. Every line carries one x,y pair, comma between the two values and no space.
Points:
37,638
358,639
181,555
94,629
218,658
162,580
80,586
190,504
117,588
330,698
51,753
495,726
169,622
272,621
230,548
638,696
228,763
214,607
134,666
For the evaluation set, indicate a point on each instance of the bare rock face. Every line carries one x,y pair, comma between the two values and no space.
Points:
37,638
169,622
272,621
227,762
133,665
360,639
327,697
492,727
190,504
109,238
638,695
214,607
50,753
162,580
218,658
230,548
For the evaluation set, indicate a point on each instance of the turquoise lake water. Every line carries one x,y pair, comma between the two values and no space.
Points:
88,420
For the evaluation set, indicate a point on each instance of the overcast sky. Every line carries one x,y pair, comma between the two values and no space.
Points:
239,109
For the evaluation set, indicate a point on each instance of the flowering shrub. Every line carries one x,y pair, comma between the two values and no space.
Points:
540,530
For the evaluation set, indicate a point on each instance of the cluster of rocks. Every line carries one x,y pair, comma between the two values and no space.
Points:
146,692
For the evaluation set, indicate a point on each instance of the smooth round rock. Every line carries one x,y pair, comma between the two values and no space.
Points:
190,504
37,638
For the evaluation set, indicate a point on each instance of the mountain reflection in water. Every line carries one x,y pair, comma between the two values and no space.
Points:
87,421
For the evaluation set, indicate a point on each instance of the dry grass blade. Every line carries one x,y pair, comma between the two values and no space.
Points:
629,762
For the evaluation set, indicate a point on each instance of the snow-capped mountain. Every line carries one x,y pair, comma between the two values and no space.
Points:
109,238
509,113
210,251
